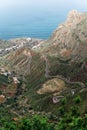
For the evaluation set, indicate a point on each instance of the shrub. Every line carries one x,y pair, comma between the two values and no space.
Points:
63,101
36,123
61,111
77,99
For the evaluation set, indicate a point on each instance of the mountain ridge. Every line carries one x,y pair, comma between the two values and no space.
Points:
53,69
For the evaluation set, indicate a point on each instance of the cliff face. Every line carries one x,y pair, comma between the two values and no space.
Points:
70,38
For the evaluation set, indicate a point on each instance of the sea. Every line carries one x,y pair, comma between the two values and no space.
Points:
35,23
34,26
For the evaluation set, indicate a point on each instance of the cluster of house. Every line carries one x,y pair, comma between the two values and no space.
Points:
11,48
17,44
37,44
9,74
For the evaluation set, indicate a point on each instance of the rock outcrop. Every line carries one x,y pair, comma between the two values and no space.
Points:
70,38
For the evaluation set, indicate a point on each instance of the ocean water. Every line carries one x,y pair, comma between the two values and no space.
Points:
35,27
36,19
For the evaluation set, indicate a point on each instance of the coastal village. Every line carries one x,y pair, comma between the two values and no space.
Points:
19,43
16,44
9,89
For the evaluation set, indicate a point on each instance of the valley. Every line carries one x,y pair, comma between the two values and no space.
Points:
43,76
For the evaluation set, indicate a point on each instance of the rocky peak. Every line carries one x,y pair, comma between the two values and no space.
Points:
67,39
74,17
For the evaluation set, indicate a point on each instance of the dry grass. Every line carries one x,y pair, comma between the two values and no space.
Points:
53,85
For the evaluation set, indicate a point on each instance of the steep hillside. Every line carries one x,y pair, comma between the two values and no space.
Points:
55,70
70,38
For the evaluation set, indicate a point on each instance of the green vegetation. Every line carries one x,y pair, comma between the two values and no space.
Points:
77,100
4,80
72,120
22,107
35,122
